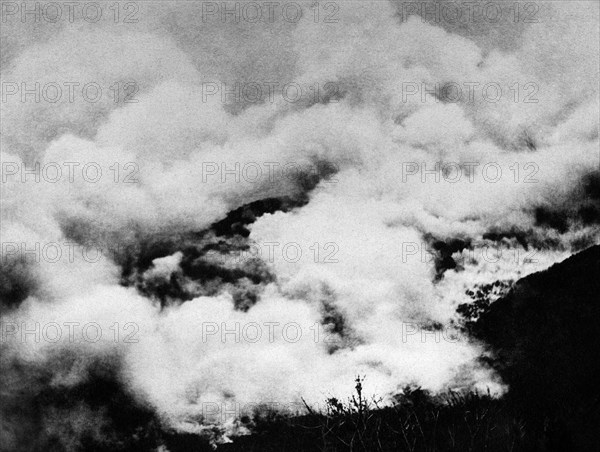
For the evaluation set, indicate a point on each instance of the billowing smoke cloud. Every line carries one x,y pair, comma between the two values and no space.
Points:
224,279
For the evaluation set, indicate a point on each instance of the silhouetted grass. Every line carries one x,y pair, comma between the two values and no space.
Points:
417,421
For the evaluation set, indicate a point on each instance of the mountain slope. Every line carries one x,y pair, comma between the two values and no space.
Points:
544,336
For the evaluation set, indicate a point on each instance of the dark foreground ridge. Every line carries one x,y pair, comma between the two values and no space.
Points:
545,339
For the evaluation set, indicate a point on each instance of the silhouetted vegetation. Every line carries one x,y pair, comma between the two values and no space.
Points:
417,421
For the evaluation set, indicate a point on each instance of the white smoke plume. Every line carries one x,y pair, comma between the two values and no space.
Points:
386,97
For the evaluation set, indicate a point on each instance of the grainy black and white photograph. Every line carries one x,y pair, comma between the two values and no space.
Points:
285,226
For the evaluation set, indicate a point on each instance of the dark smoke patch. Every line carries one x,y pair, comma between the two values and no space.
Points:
212,261
589,211
527,238
42,413
551,218
17,282
335,324
206,269
497,235
582,208
528,141
236,221
337,332
442,251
